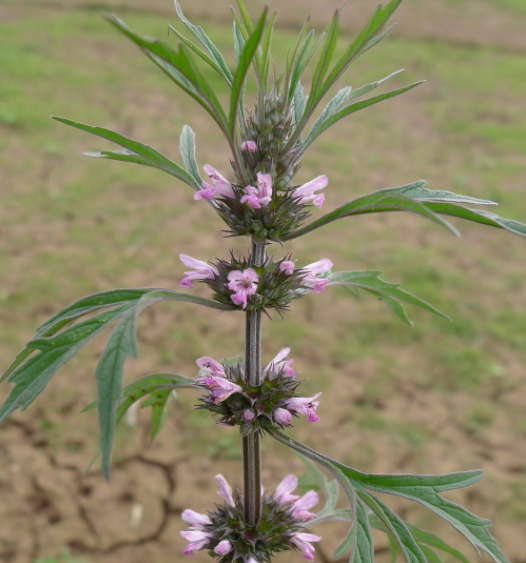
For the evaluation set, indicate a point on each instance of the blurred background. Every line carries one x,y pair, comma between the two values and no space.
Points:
439,397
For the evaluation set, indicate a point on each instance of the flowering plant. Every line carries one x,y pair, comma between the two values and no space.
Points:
261,201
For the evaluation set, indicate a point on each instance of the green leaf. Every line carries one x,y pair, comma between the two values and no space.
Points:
187,148
201,54
239,42
377,202
266,59
363,42
199,33
134,152
424,489
419,192
45,355
431,556
363,550
49,349
245,60
179,66
396,527
245,15
348,544
144,386
479,216
390,293
305,54
156,383
121,344
424,538
339,101
320,128
342,99
159,401
324,61
299,104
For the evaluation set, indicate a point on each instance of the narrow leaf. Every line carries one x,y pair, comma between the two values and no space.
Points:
134,152
353,108
159,401
363,550
121,344
245,60
199,33
363,42
179,66
187,148
377,202
396,527
371,282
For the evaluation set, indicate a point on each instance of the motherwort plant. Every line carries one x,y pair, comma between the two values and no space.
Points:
259,199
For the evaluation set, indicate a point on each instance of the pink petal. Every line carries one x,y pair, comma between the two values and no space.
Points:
191,262
282,416
225,490
192,517
223,548
289,484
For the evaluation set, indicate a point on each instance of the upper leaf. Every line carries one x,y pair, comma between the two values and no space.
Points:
416,198
187,148
135,152
199,33
377,202
390,293
328,120
244,62
180,67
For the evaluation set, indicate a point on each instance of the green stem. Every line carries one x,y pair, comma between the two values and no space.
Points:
251,443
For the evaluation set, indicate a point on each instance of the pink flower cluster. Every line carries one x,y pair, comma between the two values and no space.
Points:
313,274
242,283
214,378
201,535
261,195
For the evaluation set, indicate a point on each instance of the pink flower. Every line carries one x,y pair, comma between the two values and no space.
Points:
194,518
243,284
220,186
249,415
201,270
225,490
313,272
305,406
221,388
306,192
260,196
280,362
282,416
285,488
287,267
197,538
249,146
211,366
252,560
304,541
301,506
223,548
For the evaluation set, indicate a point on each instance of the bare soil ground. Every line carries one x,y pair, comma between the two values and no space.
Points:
442,397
